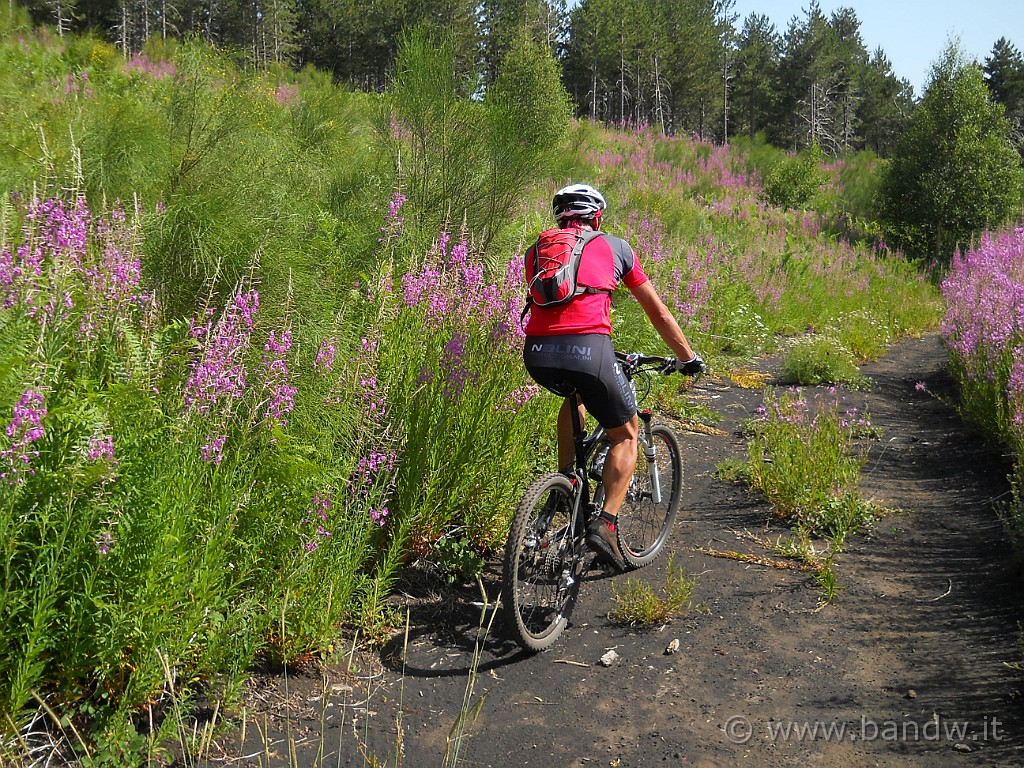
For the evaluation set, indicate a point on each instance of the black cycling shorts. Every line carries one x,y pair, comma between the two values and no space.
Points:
585,364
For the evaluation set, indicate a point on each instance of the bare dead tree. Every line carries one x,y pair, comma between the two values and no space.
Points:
726,78
659,104
819,114
62,14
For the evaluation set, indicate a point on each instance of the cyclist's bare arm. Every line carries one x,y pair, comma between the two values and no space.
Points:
663,320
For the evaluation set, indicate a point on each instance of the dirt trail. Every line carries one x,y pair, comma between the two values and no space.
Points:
906,668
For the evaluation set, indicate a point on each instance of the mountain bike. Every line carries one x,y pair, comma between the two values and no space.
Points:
546,550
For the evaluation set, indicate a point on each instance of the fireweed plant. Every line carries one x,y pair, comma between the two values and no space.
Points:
984,334
744,273
192,493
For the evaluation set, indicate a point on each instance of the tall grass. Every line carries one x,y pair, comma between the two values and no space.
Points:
258,350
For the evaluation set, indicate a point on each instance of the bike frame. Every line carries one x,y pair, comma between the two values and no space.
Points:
585,445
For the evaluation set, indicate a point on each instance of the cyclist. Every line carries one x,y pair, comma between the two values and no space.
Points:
568,347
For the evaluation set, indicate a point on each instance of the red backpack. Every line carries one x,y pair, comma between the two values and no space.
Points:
553,265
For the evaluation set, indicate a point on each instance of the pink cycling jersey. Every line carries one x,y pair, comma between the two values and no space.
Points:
607,261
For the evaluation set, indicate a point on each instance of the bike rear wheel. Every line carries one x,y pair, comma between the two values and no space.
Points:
644,526
541,569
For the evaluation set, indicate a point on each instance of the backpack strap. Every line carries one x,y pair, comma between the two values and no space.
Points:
585,237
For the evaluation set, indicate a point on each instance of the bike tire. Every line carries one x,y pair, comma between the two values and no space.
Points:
542,563
643,526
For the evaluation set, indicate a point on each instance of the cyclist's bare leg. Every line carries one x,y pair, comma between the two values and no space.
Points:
618,467
566,443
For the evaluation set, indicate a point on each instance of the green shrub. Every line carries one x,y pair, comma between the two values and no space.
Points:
794,181
820,359
802,455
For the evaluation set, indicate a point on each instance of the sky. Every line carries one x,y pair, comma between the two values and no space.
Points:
913,33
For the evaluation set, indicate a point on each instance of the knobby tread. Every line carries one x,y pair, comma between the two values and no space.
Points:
546,566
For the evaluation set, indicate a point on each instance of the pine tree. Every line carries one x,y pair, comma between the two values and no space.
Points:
822,63
588,58
502,22
757,69
886,106
1004,74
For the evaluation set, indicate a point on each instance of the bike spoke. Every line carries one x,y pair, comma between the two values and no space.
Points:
644,526
541,564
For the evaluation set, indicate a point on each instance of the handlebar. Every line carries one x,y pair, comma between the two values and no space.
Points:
634,363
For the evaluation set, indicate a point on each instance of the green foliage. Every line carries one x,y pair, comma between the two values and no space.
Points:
759,156
733,470
1011,513
849,200
527,120
458,160
639,604
793,182
434,131
754,96
13,19
161,536
1004,75
888,102
455,393
803,457
820,359
664,69
955,171
799,547
456,558
825,575
687,67
863,334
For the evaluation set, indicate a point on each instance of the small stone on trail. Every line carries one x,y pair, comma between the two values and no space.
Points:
673,647
911,694
961,747
609,658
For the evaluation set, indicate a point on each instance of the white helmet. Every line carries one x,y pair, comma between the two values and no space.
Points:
580,200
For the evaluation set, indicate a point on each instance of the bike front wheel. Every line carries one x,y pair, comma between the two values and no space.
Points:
541,569
644,525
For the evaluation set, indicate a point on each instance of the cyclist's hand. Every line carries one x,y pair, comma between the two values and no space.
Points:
691,367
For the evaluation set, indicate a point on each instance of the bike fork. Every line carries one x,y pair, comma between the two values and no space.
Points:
650,452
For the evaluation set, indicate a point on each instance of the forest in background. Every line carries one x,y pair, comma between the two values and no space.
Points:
691,66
